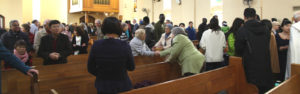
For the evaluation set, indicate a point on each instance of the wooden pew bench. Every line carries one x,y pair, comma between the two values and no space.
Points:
73,78
290,86
230,79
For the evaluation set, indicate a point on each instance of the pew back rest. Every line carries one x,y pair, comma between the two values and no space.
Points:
230,79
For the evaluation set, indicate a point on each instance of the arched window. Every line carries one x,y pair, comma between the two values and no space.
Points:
2,21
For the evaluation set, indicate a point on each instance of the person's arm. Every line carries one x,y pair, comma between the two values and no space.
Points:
138,46
91,65
12,60
203,41
223,40
176,49
37,41
130,61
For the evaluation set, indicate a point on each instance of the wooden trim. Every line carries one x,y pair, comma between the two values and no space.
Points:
88,5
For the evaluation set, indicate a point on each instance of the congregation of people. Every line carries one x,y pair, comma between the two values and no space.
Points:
267,47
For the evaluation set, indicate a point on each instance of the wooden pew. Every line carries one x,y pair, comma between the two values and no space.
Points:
290,86
73,78
230,79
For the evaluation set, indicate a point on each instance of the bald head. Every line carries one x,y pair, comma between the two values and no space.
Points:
297,16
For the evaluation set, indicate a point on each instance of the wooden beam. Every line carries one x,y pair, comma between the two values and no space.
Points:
86,17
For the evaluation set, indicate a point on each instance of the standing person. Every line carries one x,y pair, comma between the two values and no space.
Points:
110,59
201,28
150,40
135,26
253,45
159,27
184,52
230,35
191,31
67,32
275,27
282,39
34,27
26,29
55,47
98,29
123,35
38,36
79,42
213,42
294,45
225,27
15,62
10,38
273,50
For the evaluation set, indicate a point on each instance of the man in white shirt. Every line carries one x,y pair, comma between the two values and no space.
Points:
294,51
39,35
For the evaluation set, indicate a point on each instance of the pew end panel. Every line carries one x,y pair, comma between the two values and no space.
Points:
290,86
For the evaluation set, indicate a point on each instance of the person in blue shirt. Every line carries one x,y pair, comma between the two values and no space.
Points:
15,62
191,31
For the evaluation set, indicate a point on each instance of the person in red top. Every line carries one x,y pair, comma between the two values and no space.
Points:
26,29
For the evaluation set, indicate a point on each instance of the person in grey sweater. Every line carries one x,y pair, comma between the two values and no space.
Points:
138,45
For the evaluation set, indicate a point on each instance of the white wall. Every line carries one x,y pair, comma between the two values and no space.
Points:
11,10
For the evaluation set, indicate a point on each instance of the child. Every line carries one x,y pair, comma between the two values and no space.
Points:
21,53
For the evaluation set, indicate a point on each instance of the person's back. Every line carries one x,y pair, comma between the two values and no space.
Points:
252,43
213,42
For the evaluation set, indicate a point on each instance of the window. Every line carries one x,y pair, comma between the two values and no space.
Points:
102,2
74,2
216,8
167,9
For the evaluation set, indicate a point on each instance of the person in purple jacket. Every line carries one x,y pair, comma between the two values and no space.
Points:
109,60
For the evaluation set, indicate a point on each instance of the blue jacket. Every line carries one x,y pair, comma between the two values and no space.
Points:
12,60
191,33
109,61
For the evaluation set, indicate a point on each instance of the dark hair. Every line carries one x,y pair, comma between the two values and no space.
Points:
274,19
236,25
182,24
111,25
26,27
52,22
190,22
20,43
284,22
146,20
267,23
214,24
79,30
34,21
249,13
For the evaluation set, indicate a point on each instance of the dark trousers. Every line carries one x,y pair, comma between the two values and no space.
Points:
187,74
263,89
213,65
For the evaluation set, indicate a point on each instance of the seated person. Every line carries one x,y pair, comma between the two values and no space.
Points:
138,45
184,52
165,40
21,53
55,47
79,42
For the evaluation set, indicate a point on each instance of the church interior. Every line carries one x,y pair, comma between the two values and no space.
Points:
149,46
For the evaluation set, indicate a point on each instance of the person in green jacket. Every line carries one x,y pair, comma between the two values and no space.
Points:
225,27
230,35
159,27
184,52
